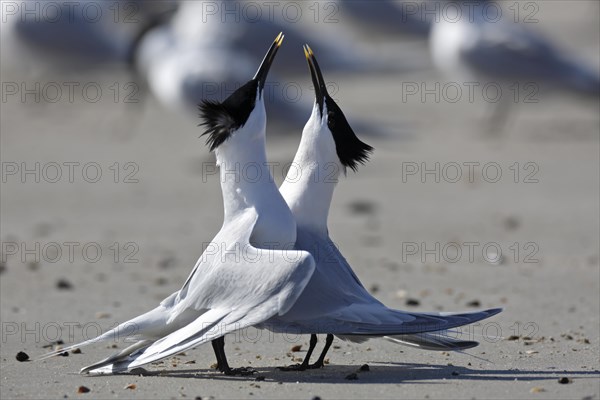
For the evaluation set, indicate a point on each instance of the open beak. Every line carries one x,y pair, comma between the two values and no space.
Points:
317,77
263,70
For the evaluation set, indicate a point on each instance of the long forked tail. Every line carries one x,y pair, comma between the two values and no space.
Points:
441,340
432,341
149,325
426,338
428,331
125,330
119,356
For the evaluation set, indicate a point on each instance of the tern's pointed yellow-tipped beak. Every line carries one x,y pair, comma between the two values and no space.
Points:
263,70
279,39
316,76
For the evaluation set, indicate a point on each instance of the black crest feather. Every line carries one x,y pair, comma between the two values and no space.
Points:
222,119
350,149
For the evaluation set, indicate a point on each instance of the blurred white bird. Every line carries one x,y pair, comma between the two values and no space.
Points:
205,50
87,33
244,277
186,52
475,47
399,17
334,301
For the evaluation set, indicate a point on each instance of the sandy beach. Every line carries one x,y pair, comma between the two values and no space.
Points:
106,206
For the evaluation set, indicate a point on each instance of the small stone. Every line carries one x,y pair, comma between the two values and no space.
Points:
537,389
474,303
22,356
131,386
564,380
531,352
63,284
102,315
412,302
52,344
365,367
83,389
161,281
374,288
512,337
167,262
76,351
296,348
352,377
511,223
64,354
33,265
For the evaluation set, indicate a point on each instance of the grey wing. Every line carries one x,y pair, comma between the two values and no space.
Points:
262,284
335,301
332,287
397,322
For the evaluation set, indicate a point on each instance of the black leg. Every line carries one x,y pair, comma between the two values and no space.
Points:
304,365
222,364
217,345
319,363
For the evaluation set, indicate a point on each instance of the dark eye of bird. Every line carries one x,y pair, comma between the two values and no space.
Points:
331,120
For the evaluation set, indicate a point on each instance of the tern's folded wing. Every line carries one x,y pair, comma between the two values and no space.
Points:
256,286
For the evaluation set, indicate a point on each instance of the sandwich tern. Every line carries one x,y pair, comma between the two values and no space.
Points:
478,46
335,301
241,282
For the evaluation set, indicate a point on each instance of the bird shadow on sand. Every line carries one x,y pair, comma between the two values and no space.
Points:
379,373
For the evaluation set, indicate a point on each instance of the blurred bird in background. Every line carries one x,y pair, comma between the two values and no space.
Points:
474,42
185,51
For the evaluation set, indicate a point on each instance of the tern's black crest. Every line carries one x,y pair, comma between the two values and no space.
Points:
222,119
350,149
